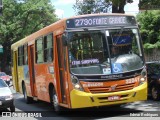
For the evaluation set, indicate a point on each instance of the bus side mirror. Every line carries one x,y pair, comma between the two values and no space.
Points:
64,40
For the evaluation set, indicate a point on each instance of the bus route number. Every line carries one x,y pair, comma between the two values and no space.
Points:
91,21
96,21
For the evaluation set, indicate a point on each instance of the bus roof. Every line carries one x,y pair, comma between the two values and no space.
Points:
61,24
100,14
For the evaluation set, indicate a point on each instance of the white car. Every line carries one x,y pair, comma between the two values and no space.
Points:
6,96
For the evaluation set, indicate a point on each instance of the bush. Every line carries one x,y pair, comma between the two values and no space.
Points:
150,28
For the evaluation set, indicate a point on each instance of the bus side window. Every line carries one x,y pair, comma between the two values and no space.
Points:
26,54
21,56
48,48
39,50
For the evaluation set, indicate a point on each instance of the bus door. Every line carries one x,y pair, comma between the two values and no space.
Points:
15,70
61,63
32,71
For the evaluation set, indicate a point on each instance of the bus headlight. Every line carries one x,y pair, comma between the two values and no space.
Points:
76,83
143,77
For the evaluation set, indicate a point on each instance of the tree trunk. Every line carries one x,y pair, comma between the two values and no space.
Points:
118,7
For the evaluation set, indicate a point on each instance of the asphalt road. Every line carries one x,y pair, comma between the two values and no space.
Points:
138,110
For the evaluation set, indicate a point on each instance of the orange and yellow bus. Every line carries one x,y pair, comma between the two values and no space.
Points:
83,61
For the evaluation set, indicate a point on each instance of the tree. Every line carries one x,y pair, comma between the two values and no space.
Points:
149,27
98,6
21,18
1,7
149,4
84,7
118,6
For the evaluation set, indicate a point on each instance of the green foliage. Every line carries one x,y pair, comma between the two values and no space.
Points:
85,7
99,6
149,4
150,28
21,18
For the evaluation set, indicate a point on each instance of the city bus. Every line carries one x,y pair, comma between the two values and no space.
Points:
80,62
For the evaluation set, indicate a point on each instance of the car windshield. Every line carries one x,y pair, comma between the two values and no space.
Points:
2,84
108,52
2,74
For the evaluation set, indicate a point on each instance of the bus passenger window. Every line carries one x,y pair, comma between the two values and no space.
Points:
21,56
25,54
48,48
39,51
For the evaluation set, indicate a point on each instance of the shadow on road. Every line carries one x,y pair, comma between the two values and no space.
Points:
47,111
101,112
90,113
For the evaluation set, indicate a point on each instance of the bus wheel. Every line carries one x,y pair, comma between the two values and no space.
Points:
26,98
155,92
54,102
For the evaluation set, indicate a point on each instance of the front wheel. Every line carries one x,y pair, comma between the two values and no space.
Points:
155,92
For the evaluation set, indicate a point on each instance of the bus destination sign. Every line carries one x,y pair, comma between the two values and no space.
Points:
100,21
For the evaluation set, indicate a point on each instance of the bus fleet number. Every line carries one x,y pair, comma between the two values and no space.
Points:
132,80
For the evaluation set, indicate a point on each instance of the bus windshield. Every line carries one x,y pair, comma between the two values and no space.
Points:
107,52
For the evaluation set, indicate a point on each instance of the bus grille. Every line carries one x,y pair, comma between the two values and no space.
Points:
107,89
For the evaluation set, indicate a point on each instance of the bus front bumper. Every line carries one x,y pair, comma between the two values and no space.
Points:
80,99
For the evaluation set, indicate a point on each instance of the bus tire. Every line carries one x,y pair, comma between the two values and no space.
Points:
27,99
54,102
155,92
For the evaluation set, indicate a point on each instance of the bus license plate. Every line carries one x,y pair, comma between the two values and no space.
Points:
112,98
0,102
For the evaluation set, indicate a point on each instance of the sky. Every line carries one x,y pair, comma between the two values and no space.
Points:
132,8
64,8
